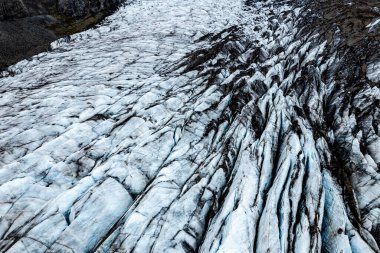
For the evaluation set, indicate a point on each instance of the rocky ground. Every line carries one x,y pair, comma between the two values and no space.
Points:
27,27
198,126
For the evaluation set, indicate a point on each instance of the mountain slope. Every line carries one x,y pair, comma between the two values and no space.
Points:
27,27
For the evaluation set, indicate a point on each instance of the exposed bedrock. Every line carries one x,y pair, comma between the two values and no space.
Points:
198,126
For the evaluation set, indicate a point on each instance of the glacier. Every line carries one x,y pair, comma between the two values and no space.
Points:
197,126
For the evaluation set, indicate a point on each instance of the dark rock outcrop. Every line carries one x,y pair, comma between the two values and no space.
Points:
80,8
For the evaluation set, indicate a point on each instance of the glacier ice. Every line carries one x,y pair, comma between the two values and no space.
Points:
193,126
